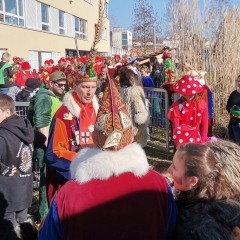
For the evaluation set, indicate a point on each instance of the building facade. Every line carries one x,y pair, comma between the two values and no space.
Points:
38,30
121,38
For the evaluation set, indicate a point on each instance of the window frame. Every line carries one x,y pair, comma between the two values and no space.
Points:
80,34
104,34
61,28
106,9
48,15
5,14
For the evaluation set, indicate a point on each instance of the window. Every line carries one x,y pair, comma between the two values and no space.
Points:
11,6
106,10
11,11
45,18
20,8
1,5
124,36
61,23
80,28
104,33
124,42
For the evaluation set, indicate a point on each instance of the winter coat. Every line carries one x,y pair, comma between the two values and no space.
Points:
112,195
16,141
216,220
134,98
158,75
25,95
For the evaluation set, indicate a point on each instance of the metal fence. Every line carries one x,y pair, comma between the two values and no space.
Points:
159,130
21,108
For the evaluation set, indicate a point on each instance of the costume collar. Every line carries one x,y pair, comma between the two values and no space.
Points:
94,163
73,107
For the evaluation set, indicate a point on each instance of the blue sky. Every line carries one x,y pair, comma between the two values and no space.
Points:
122,10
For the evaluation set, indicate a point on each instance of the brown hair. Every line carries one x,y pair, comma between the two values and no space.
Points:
200,161
104,67
146,69
129,78
227,154
196,98
6,102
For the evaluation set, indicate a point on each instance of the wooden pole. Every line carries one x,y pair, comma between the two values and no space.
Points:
76,43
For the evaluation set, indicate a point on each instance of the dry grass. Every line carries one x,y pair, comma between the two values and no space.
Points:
209,40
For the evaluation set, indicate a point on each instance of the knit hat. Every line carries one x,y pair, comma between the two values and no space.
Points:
25,66
188,85
113,129
33,83
185,134
117,57
62,60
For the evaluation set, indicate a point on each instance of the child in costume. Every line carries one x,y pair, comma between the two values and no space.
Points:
190,109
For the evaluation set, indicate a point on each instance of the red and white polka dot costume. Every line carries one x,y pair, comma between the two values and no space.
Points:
185,134
192,113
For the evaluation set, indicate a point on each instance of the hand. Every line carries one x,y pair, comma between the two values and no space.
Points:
14,169
100,95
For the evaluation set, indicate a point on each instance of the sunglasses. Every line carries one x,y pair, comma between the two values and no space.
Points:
60,85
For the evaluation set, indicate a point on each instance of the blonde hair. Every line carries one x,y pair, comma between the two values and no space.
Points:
6,57
227,154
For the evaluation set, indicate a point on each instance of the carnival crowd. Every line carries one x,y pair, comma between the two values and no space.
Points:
87,126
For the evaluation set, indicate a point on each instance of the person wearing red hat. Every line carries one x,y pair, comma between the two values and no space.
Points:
26,73
190,109
113,193
117,60
50,68
60,65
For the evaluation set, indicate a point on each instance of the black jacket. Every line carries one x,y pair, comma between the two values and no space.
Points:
25,95
8,73
16,141
217,220
234,99
158,75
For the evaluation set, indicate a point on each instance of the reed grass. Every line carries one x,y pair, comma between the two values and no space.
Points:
208,39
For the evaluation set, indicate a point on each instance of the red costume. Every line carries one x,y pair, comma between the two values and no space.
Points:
189,112
68,133
113,194
22,76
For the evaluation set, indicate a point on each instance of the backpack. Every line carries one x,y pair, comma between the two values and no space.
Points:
2,77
